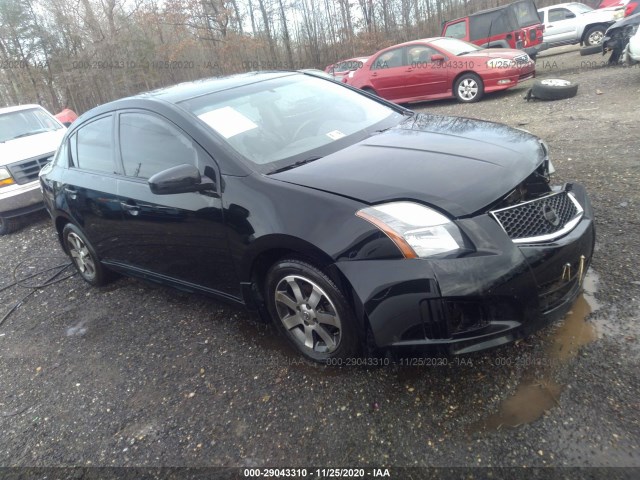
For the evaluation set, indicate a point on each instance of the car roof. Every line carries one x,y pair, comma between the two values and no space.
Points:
187,90
17,108
421,40
559,5
488,10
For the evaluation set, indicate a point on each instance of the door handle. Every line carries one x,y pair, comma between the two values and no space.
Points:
72,192
409,69
131,209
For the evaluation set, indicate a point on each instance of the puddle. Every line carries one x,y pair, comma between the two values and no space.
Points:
537,391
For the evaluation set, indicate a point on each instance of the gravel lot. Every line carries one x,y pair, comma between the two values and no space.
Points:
135,374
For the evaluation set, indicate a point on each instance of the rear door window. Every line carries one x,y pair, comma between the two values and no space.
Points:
92,146
390,59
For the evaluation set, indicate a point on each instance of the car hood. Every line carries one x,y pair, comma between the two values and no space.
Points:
457,165
628,21
31,146
599,15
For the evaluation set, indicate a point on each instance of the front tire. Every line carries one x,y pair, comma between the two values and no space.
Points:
311,311
468,88
83,256
594,36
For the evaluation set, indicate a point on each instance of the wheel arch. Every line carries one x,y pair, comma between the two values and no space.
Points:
271,249
60,222
457,77
589,27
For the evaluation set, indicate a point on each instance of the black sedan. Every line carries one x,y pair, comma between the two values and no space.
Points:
353,223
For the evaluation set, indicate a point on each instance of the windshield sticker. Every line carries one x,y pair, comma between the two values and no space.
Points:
335,135
227,121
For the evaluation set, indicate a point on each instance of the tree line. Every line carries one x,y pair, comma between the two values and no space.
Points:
82,53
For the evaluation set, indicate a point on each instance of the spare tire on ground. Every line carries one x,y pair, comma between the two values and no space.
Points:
590,50
553,89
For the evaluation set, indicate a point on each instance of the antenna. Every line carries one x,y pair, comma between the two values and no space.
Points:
490,26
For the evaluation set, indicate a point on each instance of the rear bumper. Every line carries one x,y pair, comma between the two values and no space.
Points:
20,200
461,305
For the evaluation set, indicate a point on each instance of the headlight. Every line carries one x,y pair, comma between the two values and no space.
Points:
500,63
418,231
618,14
550,168
5,177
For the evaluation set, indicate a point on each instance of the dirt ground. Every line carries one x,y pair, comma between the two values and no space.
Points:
134,374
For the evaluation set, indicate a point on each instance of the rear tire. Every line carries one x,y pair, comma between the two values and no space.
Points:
9,225
311,311
83,256
468,88
554,89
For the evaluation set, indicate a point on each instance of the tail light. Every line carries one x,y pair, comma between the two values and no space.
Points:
631,6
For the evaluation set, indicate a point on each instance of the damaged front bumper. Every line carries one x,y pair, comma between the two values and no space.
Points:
503,292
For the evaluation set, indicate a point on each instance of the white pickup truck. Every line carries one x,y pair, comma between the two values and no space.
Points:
573,23
29,137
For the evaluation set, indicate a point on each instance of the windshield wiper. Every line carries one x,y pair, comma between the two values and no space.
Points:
296,164
34,132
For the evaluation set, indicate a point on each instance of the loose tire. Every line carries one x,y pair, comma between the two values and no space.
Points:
311,311
594,36
554,89
590,50
9,225
468,88
83,256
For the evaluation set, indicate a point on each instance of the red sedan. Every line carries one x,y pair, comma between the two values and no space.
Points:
441,67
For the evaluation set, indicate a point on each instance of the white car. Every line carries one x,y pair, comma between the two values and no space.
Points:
29,137
633,48
573,23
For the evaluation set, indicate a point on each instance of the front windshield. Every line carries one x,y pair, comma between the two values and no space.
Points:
24,123
282,121
455,46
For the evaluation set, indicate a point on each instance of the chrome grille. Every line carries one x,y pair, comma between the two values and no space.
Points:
521,59
26,171
540,220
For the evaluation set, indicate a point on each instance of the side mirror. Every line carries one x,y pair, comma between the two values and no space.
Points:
179,179
436,57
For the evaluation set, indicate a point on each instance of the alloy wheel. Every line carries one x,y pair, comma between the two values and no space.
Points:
556,82
308,314
468,89
81,256
596,38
